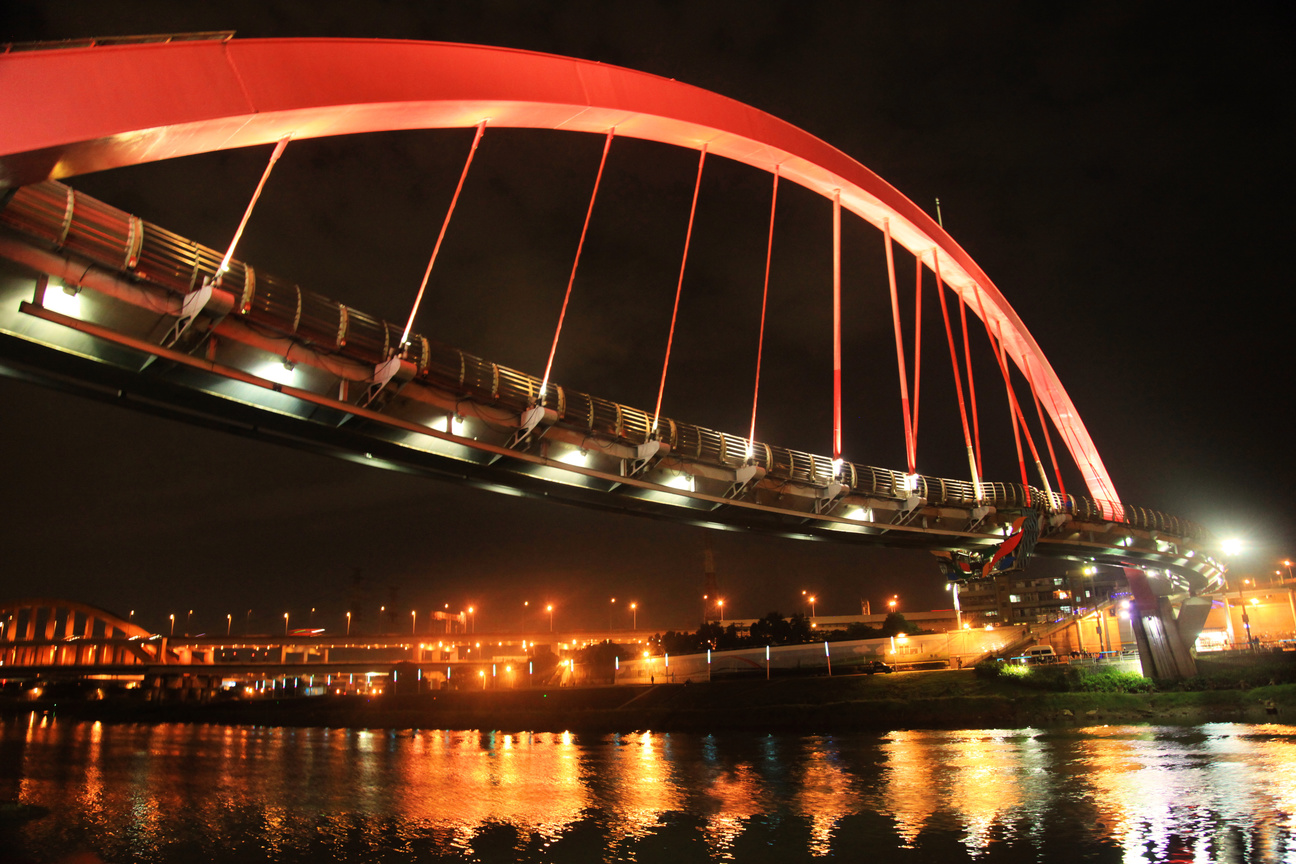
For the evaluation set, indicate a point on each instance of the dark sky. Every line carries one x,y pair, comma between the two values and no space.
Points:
1120,170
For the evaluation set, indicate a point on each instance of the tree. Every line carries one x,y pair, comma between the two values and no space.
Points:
896,624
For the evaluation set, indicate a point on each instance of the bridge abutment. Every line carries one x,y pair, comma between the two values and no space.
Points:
1164,646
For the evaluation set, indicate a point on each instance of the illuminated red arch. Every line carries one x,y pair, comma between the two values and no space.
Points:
88,109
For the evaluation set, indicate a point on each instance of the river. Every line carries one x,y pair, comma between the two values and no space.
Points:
87,792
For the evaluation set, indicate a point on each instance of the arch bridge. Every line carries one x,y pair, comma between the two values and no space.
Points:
83,283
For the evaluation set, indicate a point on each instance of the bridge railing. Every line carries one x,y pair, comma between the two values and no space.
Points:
77,225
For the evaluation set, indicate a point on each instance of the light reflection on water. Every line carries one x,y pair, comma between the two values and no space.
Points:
176,793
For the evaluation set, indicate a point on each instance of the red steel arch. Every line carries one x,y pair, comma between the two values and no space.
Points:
89,109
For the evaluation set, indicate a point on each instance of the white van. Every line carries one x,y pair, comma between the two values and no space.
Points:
1039,654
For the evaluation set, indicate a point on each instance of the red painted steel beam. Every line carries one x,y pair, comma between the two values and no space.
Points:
89,109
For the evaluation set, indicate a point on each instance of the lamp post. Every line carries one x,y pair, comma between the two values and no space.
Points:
472,620
188,618
229,622
549,609
172,623
611,609
413,621
382,613
348,624
285,623
812,605
634,616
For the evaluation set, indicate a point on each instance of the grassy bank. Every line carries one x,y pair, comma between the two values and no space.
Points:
935,700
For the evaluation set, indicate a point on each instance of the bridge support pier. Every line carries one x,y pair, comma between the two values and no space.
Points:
1164,647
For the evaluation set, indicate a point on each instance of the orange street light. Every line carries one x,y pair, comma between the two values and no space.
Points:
348,624
634,616
285,623
549,609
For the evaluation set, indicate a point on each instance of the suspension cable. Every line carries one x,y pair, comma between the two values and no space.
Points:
1000,351
1048,439
481,127
837,389
967,356
760,340
562,314
688,236
917,350
1012,402
1018,415
247,214
910,453
958,378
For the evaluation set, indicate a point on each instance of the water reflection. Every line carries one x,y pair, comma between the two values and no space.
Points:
1218,792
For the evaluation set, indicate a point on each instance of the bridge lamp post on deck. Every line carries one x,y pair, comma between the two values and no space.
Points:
549,609
172,623
285,623
611,609
348,633
229,622
634,616
413,621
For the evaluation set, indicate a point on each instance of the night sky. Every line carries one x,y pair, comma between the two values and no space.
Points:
1121,171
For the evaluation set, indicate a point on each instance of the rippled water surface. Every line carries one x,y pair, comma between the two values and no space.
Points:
89,792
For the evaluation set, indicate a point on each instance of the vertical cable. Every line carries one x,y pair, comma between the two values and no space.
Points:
910,453
562,314
247,214
917,349
481,127
958,378
967,356
1018,415
837,411
760,341
1048,439
688,236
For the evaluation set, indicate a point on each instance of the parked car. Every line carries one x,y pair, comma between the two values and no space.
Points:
877,666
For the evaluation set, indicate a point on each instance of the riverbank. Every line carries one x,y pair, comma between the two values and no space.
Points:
919,700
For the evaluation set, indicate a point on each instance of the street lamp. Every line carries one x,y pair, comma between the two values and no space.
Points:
187,619
285,623
720,608
348,624
1288,565
634,616
413,621
472,620
172,623
382,613
229,622
812,604
549,609
611,609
